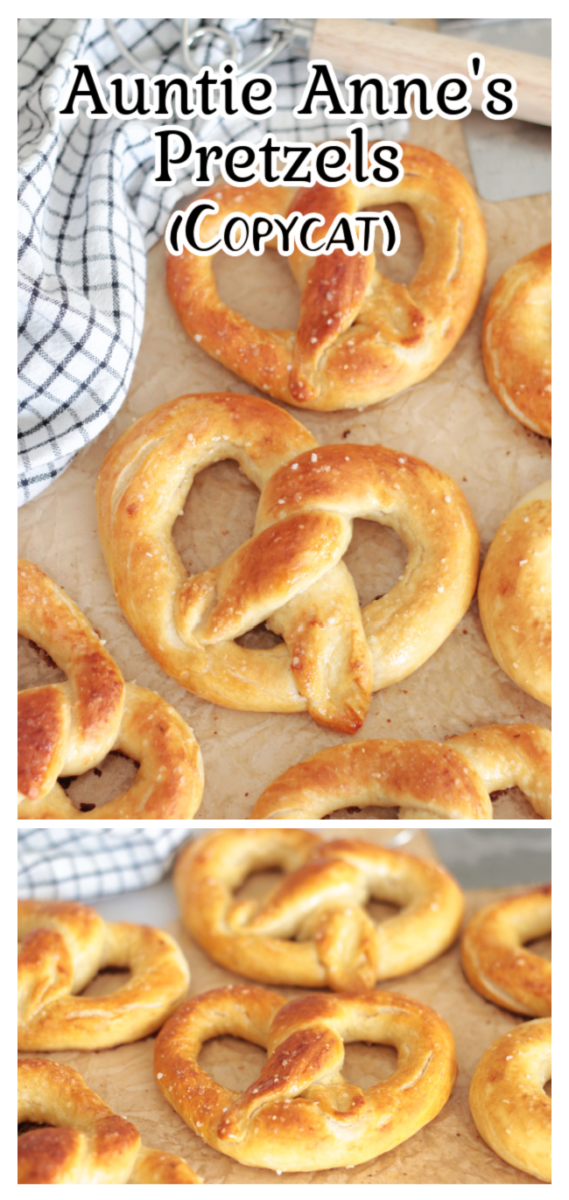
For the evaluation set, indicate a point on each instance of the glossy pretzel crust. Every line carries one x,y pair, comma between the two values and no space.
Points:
495,961
88,1142
428,780
67,728
511,1110
516,340
514,594
290,573
312,930
301,1115
361,338
63,946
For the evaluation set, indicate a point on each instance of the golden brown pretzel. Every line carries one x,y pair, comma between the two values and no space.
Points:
516,341
301,1114
361,337
289,573
67,728
426,780
514,594
511,1110
313,930
88,1142
495,961
63,946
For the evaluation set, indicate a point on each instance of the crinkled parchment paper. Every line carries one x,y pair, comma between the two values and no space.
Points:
452,420
448,1150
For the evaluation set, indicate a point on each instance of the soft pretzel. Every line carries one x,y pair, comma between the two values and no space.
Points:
63,946
313,930
516,340
511,1110
289,573
425,780
301,1114
495,961
67,728
514,594
87,1141
361,337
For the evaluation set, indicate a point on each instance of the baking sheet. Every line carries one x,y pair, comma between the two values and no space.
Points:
451,419
448,1150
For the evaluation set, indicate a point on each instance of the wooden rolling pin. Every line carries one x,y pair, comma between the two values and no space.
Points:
369,47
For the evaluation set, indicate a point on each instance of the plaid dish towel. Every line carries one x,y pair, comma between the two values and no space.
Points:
88,213
58,864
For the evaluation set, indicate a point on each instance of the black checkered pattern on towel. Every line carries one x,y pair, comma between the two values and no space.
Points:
59,864
88,212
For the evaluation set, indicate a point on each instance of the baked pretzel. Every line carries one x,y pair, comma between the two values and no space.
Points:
514,594
511,1110
516,340
361,337
312,930
289,573
301,1114
63,946
67,728
495,961
426,780
87,1141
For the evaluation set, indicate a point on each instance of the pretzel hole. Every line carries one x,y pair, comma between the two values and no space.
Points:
547,1087
403,266
109,779
219,515
371,813
258,885
232,1062
27,1126
107,980
375,558
262,290
511,803
35,667
367,1063
541,946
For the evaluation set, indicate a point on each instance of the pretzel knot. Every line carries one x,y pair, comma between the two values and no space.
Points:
63,946
361,337
511,1109
430,780
312,930
289,573
67,728
87,1141
495,960
301,1114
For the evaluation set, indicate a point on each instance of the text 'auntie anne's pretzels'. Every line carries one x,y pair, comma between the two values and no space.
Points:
426,780
301,1114
361,337
82,1139
63,947
66,728
290,573
312,929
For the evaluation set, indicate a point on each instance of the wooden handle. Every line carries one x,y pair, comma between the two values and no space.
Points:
363,47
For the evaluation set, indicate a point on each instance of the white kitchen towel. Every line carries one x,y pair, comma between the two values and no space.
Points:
60,864
88,212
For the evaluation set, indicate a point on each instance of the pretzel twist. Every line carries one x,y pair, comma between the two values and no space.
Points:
63,946
516,340
514,594
67,728
361,337
427,780
511,1110
312,930
301,1114
289,573
88,1142
495,961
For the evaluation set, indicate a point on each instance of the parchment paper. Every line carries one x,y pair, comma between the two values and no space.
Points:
452,420
448,1150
